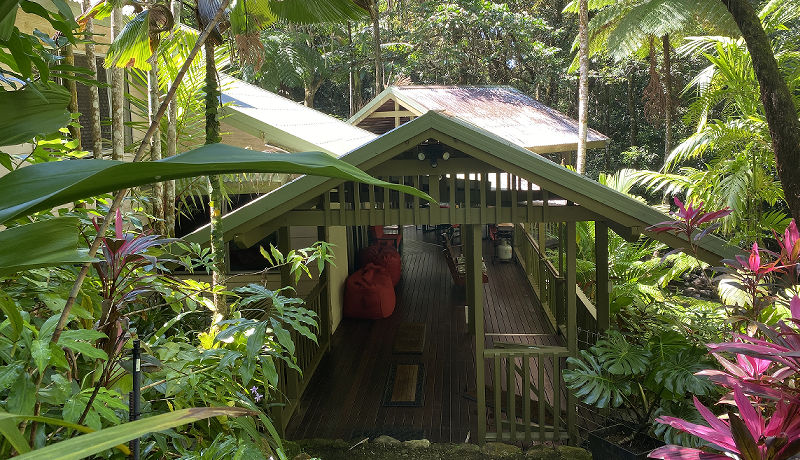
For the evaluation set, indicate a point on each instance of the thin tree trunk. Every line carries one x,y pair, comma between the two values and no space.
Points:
215,197
583,86
172,144
94,93
779,108
352,85
155,143
117,95
376,35
69,59
667,98
76,286
633,122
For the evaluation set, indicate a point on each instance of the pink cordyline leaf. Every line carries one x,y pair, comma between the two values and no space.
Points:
673,452
721,438
710,216
794,306
755,367
118,225
751,418
790,244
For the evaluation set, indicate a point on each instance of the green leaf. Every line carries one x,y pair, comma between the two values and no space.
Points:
37,111
748,450
621,357
45,185
93,443
8,14
9,430
45,243
131,48
9,374
23,395
283,336
40,352
7,304
592,384
86,349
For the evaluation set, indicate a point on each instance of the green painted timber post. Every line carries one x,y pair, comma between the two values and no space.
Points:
324,330
292,389
572,316
474,261
601,275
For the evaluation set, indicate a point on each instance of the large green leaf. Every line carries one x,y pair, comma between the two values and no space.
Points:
45,185
31,112
8,14
132,47
249,15
98,441
41,244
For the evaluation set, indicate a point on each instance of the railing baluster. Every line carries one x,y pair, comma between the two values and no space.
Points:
542,395
526,397
511,393
556,396
498,389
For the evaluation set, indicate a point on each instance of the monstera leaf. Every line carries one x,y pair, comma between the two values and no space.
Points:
593,384
620,357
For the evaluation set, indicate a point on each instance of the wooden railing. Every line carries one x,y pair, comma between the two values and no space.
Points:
291,383
527,396
543,276
549,285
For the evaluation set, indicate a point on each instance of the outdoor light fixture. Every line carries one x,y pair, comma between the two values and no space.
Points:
421,155
445,155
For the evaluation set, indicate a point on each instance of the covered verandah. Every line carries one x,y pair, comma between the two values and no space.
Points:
537,193
345,398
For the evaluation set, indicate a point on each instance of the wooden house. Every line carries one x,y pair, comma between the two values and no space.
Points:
493,372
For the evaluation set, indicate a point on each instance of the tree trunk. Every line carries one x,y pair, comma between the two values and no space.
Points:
583,86
117,95
668,109
633,133
94,93
351,80
172,144
215,198
781,113
155,143
376,35
69,59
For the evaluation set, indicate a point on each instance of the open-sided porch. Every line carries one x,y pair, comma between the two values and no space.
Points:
345,397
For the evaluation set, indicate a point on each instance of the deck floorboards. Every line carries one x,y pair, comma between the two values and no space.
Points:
344,398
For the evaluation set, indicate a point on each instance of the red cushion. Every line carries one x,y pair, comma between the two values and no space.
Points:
369,293
369,254
390,259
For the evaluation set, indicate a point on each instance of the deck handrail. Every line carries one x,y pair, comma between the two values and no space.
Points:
519,373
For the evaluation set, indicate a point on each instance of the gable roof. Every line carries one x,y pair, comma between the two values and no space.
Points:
287,124
589,194
501,110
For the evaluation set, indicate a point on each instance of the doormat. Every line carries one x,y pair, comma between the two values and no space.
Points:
410,338
404,387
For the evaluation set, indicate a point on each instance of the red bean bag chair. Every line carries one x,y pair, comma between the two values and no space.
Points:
390,259
369,293
369,255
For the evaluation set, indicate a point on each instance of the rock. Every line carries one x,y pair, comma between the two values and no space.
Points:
417,444
383,439
690,292
542,453
500,450
466,448
699,283
574,453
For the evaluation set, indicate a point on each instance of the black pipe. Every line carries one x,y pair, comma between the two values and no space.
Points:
135,395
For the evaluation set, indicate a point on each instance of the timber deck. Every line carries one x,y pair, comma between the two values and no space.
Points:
344,398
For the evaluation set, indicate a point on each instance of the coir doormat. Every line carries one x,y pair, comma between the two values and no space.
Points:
404,388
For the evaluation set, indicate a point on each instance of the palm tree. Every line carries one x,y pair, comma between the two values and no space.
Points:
732,137
625,29
583,85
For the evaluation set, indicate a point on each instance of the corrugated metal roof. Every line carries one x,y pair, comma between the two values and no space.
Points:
501,110
285,123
